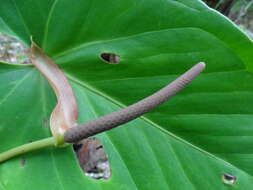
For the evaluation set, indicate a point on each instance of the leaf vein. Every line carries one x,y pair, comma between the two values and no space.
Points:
15,87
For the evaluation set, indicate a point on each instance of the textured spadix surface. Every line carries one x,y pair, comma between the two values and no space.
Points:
187,143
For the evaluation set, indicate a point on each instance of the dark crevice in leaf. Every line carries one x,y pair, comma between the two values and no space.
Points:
77,146
110,58
92,158
229,179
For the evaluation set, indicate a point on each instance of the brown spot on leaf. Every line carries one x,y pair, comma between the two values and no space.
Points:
22,162
110,58
45,123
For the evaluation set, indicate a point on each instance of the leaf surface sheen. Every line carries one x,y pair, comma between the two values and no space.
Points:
187,143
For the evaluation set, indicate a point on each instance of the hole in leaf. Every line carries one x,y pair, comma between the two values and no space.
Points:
110,58
229,179
92,158
13,51
22,162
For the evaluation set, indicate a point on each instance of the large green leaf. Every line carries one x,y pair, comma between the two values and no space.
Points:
187,143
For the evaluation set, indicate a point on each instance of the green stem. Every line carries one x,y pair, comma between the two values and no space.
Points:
27,148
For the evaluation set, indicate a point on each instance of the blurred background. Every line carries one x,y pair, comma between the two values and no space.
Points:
239,11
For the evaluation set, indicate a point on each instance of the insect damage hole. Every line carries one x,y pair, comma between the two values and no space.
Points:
92,158
229,179
13,51
110,58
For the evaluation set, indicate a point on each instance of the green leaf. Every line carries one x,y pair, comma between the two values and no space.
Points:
187,143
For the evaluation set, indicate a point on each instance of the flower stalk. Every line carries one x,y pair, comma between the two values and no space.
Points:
27,148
